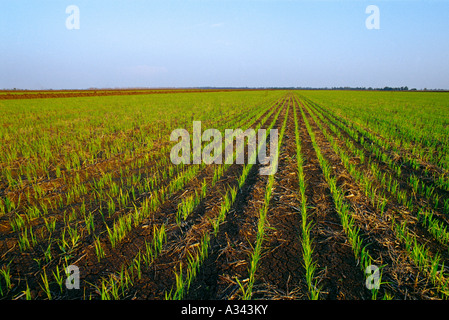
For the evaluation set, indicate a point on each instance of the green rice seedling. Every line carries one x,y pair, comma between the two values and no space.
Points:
60,202
59,278
180,286
104,292
47,253
228,199
27,292
125,279
159,238
50,224
58,172
195,261
111,207
27,239
115,190
63,244
17,223
203,188
136,215
89,222
137,263
99,249
38,191
436,199
9,204
5,273
193,264
110,289
186,207
434,226
123,199
32,213
429,191
149,255
414,181
74,236
45,285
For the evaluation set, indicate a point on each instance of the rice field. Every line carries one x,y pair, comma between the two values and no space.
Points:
357,209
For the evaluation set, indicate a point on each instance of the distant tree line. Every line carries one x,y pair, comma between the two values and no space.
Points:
354,88
376,89
349,88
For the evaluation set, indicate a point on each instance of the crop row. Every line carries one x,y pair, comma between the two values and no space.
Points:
112,208
186,273
343,208
380,192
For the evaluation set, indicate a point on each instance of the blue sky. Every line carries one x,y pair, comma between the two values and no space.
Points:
255,43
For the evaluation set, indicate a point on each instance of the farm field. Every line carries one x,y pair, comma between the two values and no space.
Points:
361,193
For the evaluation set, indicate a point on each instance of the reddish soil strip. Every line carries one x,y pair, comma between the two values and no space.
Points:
96,93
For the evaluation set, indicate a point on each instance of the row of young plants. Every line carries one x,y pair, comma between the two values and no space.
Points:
105,189
182,286
343,209
188,272
188,203
418,123
147,205
426,186
73,231
76,187
417,146
119,197
115,200
70,188
44,137
310,265
255,256
419,252
425,212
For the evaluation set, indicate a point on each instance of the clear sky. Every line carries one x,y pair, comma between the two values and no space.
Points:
254,43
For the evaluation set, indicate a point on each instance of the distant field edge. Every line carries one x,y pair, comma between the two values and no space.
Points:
40,94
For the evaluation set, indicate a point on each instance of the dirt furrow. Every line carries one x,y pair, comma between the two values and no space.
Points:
157,281
339,275
230,250
281,273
